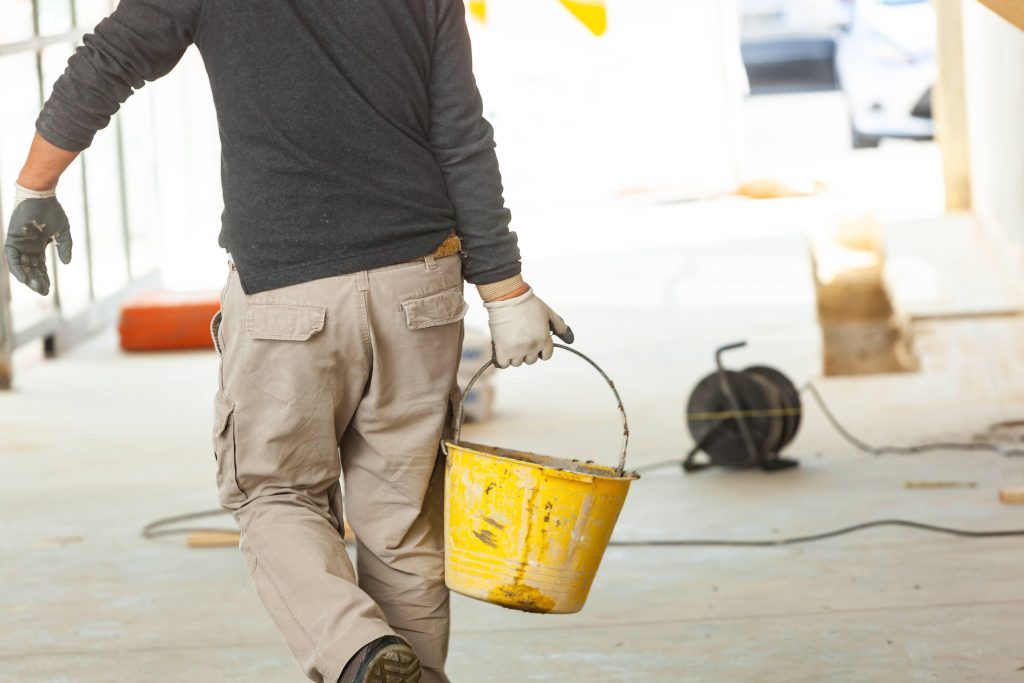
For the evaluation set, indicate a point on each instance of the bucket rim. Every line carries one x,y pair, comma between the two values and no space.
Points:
460,411
564,468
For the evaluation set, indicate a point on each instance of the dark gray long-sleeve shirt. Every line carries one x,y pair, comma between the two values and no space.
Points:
352,130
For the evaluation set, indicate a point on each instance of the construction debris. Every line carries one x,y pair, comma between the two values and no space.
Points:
862,332
940,484
1012,495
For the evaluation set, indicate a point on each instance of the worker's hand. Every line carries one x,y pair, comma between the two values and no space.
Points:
521,330
37,220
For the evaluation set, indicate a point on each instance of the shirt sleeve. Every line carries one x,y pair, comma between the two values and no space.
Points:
141,41
463,144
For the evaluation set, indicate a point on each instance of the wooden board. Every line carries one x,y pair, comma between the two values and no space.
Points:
6,327
1011,10
951,105
949,267
1013,495
213,539
230,539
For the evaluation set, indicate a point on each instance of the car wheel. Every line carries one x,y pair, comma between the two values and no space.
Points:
863,140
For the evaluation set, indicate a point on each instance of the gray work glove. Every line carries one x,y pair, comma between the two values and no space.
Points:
38,219
521,330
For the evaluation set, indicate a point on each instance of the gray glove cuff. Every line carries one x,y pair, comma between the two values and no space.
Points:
21,193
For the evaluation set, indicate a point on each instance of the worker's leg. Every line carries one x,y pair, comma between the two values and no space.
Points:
408,583
393,476
294,365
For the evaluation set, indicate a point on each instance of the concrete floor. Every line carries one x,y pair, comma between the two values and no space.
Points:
98,443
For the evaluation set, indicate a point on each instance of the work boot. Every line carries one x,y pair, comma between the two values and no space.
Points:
385,660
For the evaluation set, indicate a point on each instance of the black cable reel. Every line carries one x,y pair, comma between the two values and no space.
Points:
742,419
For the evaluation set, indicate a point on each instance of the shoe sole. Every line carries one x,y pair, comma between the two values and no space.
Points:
394,664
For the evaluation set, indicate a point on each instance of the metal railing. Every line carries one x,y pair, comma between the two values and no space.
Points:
25,318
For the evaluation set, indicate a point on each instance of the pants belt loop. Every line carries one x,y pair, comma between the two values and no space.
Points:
430,262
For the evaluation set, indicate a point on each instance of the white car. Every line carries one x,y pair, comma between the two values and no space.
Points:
780,31
886,68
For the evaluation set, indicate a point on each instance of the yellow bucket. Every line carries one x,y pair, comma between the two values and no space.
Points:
528,531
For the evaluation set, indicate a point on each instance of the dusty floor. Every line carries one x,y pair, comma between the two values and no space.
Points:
97,444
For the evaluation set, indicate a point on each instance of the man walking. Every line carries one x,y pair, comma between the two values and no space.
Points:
360,189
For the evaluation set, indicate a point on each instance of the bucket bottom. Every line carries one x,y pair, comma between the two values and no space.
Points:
522,597
511,584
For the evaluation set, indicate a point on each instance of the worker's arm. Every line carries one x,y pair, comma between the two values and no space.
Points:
45,165
463,144
38,217
141,41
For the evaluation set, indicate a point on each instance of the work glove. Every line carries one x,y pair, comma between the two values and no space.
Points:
521,330
38,219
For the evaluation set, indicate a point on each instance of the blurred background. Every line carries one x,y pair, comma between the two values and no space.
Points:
675,102
838,182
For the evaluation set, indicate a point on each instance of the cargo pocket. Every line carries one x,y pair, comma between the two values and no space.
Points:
229,491
283,322
215,332
282,358
441,308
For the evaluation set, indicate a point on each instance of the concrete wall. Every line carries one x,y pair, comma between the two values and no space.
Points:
994,64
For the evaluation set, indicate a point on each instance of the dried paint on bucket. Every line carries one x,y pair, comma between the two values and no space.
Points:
527,531
522,598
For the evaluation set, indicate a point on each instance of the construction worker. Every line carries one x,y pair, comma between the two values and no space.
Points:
361,188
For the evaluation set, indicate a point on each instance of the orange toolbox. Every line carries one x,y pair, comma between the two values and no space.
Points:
168,321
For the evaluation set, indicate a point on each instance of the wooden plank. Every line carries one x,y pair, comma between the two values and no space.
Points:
949,267
1013,495
950,105
6,323
229,539
1011,10
213,539
860,333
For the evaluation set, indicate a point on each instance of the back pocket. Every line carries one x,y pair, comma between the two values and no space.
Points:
282,355
441,308
283,322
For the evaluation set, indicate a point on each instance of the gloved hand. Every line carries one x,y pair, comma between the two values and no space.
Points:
38,219
521,330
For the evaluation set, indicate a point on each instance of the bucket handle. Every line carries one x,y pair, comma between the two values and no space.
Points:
459,414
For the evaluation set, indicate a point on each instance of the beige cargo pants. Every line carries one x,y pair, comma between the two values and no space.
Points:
346,374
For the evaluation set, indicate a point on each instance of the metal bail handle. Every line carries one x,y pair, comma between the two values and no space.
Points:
625,425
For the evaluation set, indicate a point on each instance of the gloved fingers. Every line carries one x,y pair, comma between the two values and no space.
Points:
547,350
40,285
500,362
35,269
14,263
63,241
559,327
516,361
556,323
